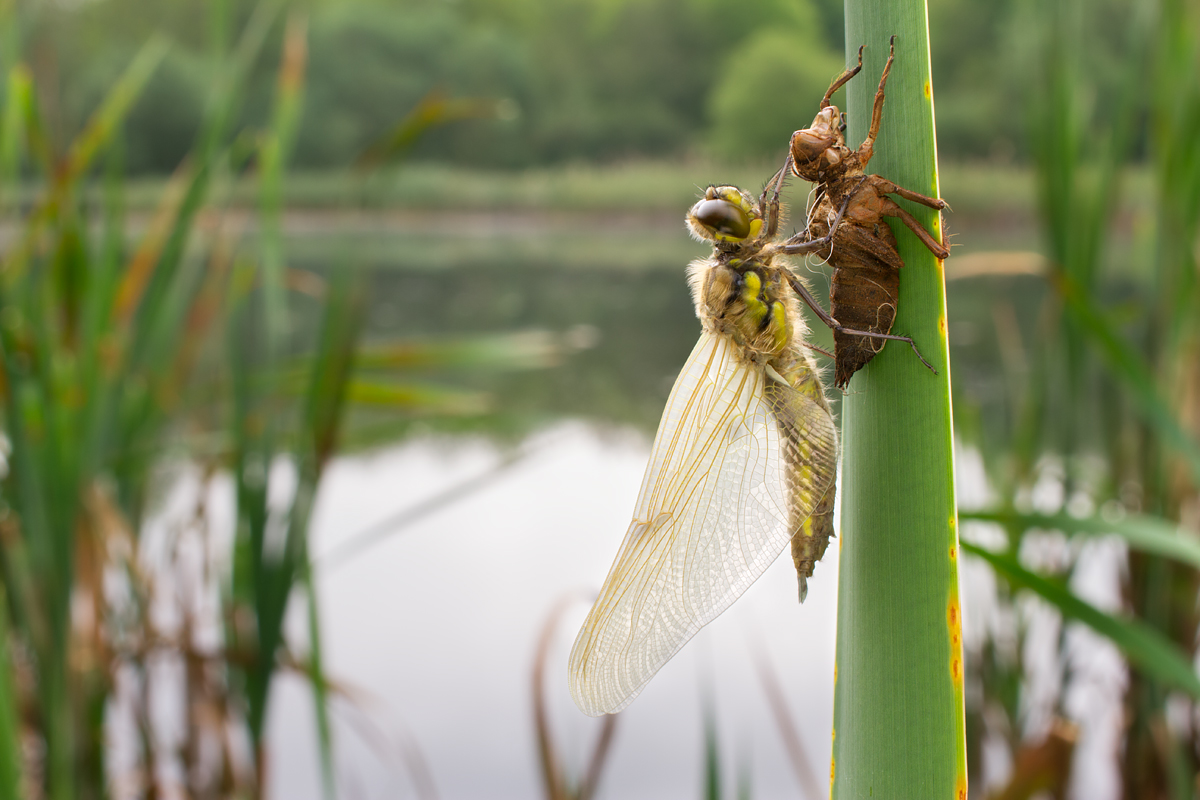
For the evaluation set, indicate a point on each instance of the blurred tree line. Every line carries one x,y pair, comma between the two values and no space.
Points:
582,80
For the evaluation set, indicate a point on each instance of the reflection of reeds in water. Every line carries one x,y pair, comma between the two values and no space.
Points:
789,732
556,781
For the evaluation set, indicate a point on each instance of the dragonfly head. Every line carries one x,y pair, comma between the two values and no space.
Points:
725,214
820,146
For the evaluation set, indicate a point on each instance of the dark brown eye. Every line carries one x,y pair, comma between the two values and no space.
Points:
723,217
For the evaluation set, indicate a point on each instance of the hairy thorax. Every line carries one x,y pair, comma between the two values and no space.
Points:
749,301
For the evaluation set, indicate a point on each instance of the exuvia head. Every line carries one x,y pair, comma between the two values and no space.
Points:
820,146
725,214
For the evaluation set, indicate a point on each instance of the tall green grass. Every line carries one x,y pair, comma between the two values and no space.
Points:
100,346
1108,412
120,359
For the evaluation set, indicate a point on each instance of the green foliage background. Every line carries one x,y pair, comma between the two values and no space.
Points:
583,80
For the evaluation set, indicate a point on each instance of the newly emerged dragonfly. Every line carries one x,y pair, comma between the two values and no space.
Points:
865,285
744,460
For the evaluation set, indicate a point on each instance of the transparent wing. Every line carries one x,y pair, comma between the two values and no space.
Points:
719,501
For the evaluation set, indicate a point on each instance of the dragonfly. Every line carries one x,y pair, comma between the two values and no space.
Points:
743,463
864,288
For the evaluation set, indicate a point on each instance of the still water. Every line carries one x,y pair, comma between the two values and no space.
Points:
431,630
436,630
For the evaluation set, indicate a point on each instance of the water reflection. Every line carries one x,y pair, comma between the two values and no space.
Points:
623,281
434,629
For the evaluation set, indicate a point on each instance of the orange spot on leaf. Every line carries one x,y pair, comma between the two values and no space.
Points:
953,552
954,628
928,90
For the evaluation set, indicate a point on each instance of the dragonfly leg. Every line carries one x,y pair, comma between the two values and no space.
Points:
891,209
867,148
810,301
819,349
800,245
841,80
770,209
887,187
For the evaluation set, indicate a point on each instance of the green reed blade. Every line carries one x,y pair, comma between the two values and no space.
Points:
899,726
431,111
11,752
323,414
33,129
316,677
1154,653
1148,534
1133,374
44,500
254,569
106,119
490,353
98,131
335,363
224,104
418,398
17,88
712,751
274,152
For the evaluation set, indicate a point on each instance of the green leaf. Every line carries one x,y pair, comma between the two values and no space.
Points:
1133,373
19,87
415,398
1149,534
112,112
1142,645
98,131
334,364
712,753
512,351
10,732
433,110
898,692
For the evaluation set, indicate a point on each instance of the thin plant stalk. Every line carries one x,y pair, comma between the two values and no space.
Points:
899,729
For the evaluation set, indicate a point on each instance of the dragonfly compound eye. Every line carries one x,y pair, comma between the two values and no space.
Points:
724,219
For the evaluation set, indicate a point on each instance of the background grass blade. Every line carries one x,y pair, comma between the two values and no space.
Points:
1148,534
712,750
106,120
898,688
10,731
1141,644
1132,374
433,110
789,732
17,89
323,415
